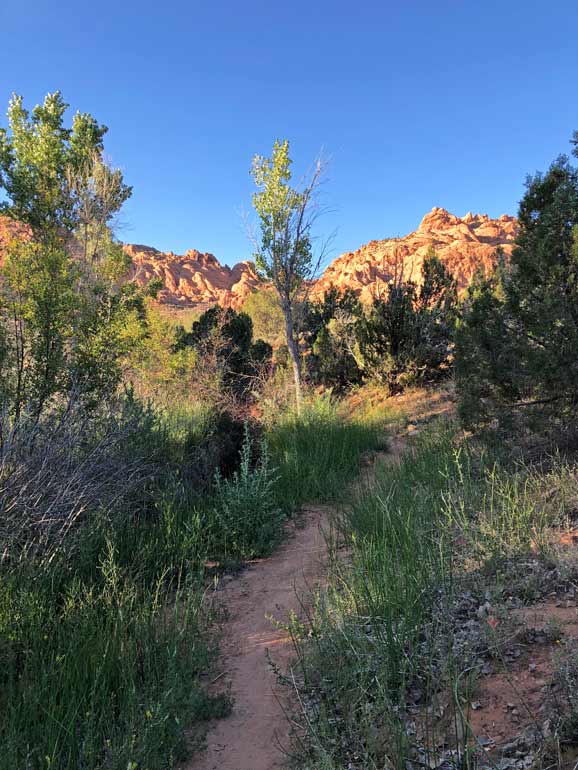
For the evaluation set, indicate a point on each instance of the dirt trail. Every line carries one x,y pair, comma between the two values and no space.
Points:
251,737
257,732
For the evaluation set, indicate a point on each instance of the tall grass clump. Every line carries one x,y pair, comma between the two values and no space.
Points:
391,638
103,629
317,452
100,675
371,625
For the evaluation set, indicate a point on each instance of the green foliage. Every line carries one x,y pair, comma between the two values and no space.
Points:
519,332
67,320
103,644
317,451
285,253
331,328
404,337
227,355
38,158
263,308
101,675
407,336
245,512
431,535
285,256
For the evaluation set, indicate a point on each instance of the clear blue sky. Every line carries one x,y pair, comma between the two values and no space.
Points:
418,103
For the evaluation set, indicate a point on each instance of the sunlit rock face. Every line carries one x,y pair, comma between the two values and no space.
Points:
462,243
196,278
11,230
193,278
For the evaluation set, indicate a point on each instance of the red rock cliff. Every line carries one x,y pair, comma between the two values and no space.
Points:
463,244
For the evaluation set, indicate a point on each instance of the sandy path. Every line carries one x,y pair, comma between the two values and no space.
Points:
249,739
254,735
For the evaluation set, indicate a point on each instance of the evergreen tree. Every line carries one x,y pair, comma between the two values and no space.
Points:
518,337
407,335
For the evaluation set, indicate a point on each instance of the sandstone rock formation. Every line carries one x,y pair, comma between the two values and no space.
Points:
463,244
193,278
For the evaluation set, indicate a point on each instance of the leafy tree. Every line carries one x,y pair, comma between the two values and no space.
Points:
48,170
265,311
284,255
228,361
64,309
517,340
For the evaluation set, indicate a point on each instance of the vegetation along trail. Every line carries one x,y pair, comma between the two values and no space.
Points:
257,647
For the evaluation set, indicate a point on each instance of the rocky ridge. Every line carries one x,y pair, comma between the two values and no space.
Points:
462,243
194,277
197,278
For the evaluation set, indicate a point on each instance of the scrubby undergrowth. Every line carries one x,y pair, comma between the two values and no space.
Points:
425,650
104,632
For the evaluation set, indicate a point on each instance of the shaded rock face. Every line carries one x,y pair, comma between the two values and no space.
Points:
193,278
463,244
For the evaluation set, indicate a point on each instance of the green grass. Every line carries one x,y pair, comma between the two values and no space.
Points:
444,520
318,452
101,675
103,648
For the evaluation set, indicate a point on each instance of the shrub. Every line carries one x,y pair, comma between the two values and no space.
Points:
407,335
59,473
263,308
517,340
245,514
229,363
404,337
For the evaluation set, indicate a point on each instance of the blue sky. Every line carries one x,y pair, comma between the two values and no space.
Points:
418,104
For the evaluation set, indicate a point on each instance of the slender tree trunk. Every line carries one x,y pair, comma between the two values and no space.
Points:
293,352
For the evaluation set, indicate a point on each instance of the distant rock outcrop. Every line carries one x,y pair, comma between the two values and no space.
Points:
193,278
196,278
463,245
11,230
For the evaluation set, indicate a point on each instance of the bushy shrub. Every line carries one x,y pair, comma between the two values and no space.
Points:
517,339
407,335
245,510
263,308
229,364
58,473
404,337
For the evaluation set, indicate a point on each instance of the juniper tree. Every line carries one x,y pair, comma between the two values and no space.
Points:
407,334
517,341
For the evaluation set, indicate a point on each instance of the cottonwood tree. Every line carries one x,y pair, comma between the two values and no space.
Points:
284,254
64,311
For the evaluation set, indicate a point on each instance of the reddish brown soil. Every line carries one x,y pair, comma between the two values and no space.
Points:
257,732
516,697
